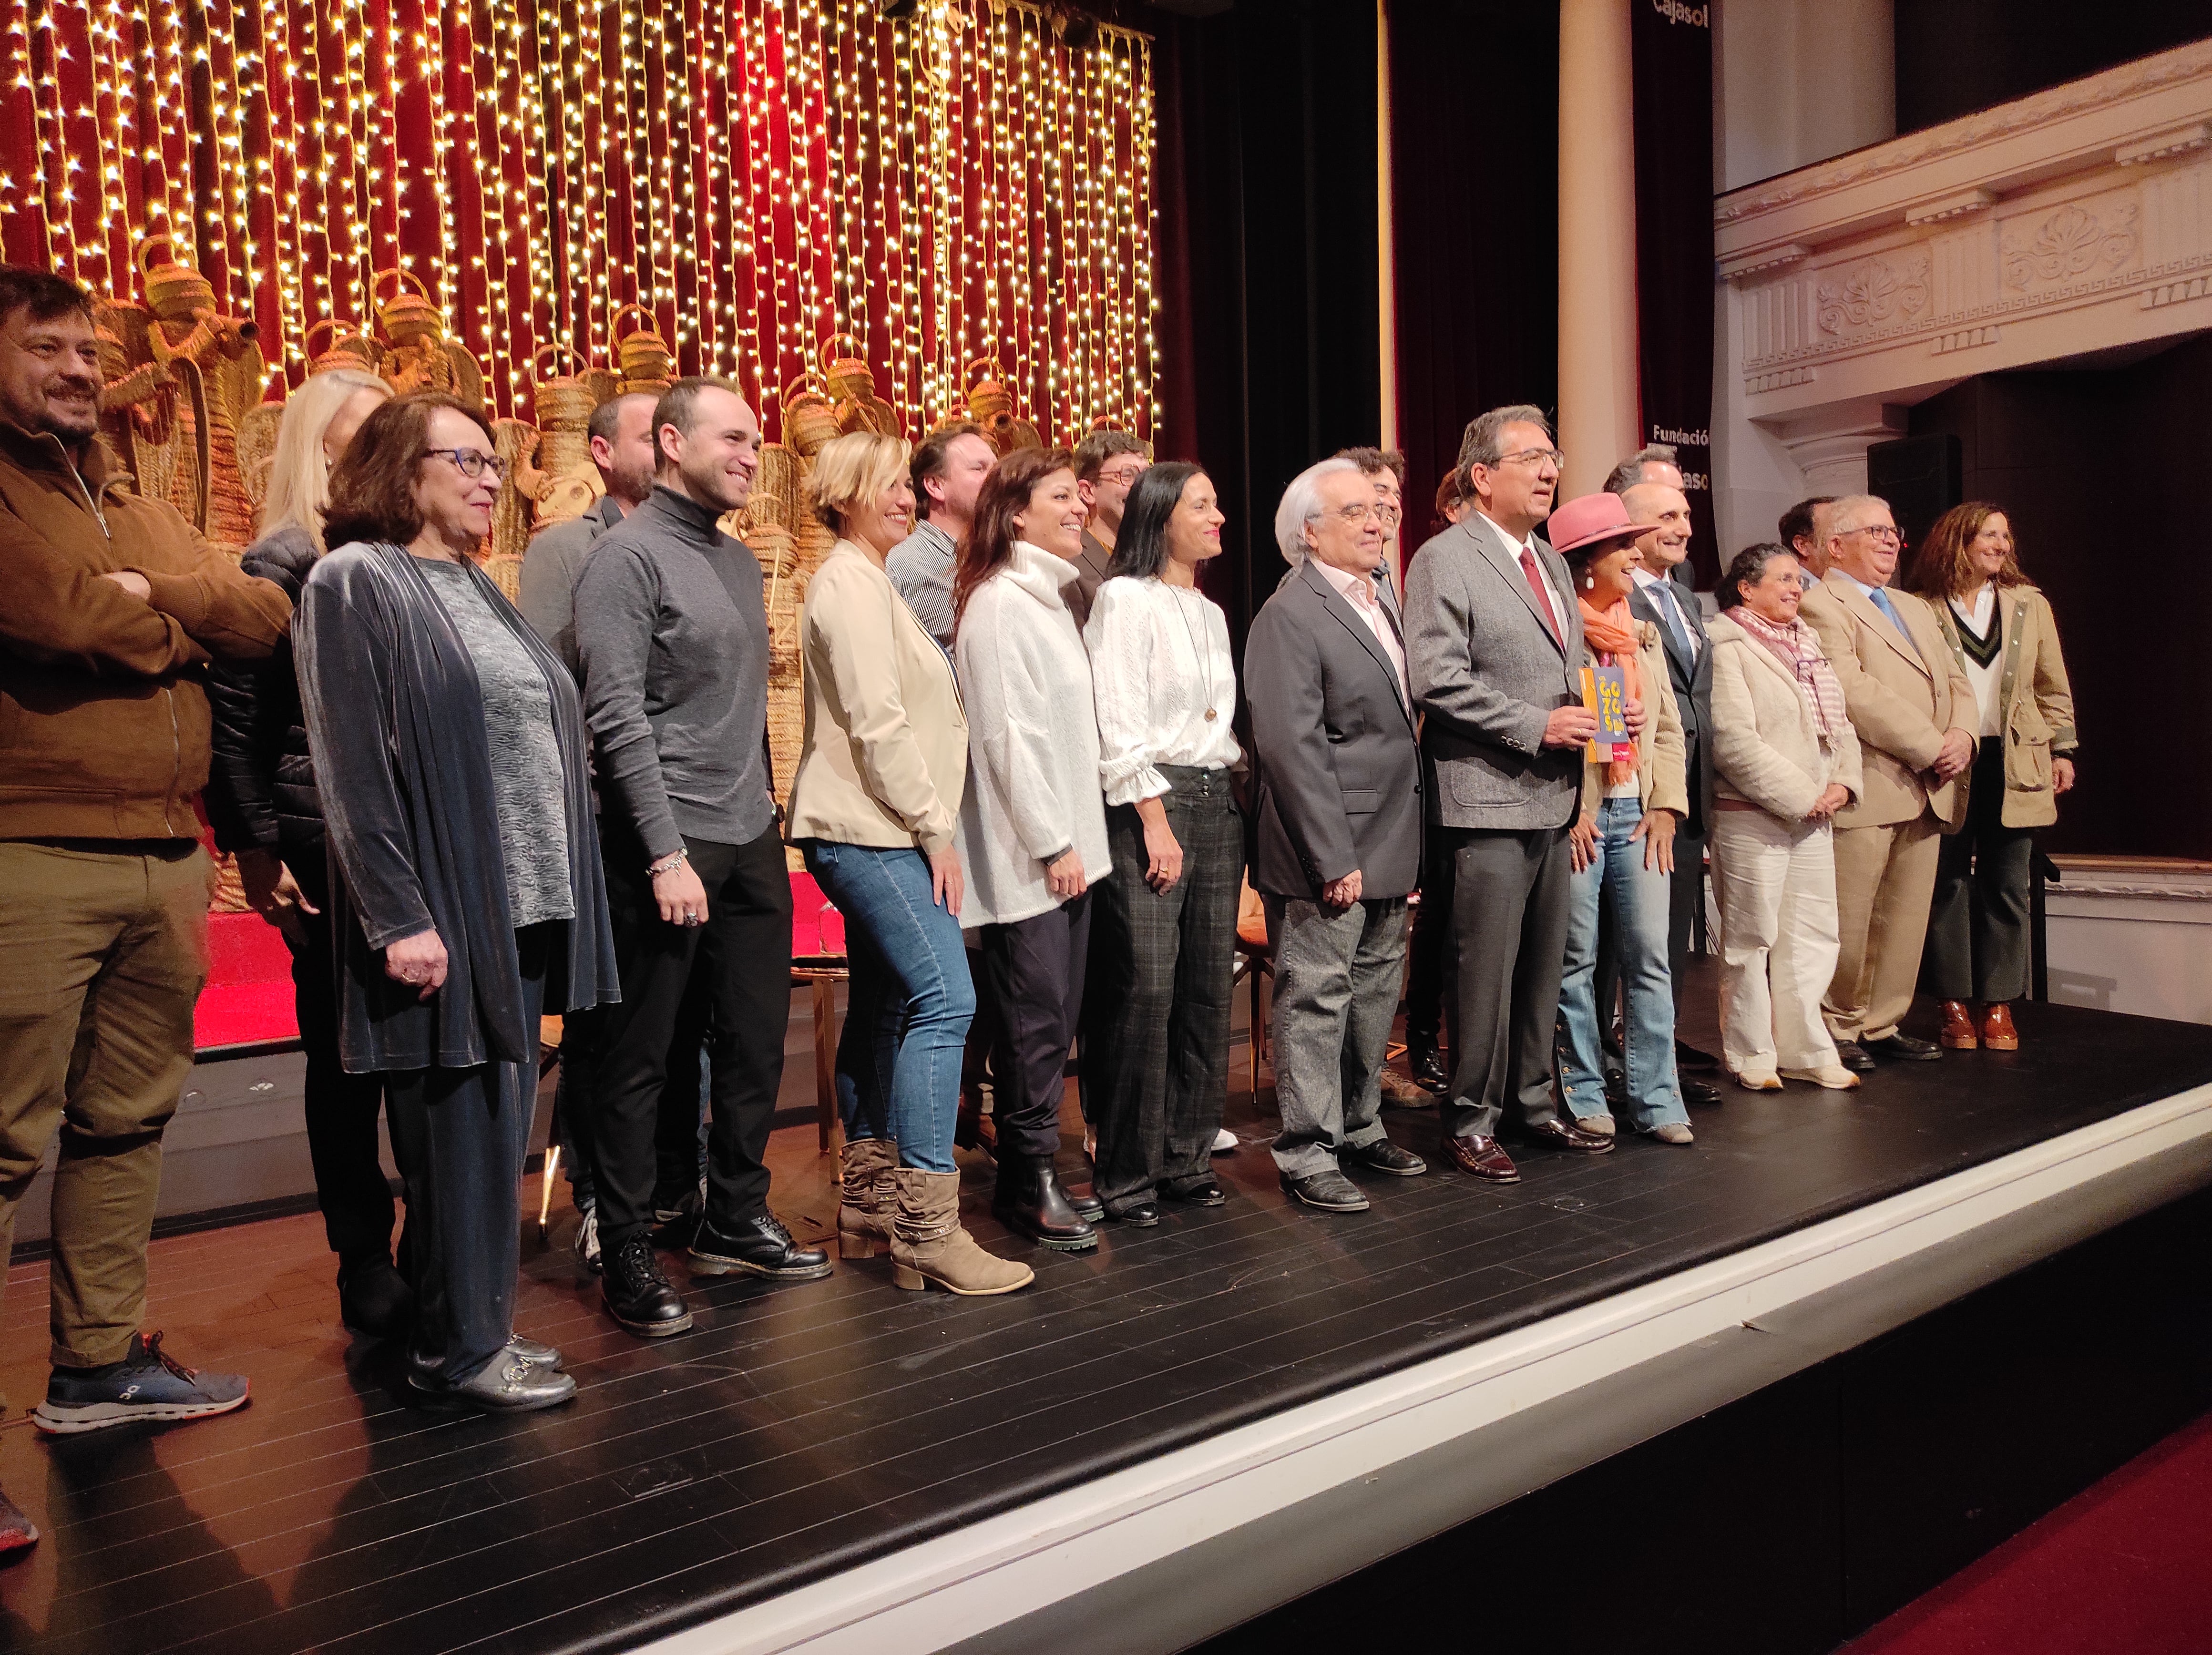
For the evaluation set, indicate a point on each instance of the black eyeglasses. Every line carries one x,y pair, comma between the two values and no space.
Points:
470,462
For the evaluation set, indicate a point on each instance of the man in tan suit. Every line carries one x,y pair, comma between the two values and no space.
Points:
1913,710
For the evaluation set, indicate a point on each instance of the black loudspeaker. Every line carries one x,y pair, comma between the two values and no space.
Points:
1921,477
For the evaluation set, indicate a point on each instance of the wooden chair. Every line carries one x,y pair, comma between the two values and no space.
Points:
1256,965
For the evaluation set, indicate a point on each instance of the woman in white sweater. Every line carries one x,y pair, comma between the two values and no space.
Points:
1156,1050
1785,760
1033,824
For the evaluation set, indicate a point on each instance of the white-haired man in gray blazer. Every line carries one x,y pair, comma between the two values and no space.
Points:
1495,642
1339,830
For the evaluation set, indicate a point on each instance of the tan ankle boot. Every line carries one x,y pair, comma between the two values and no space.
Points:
869,1197
928,1245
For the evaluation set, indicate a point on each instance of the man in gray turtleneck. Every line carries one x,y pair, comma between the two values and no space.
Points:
672,636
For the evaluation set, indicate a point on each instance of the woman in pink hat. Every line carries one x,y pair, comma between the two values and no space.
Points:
1634,793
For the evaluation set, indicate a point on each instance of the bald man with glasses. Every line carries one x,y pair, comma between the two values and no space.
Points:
1914,714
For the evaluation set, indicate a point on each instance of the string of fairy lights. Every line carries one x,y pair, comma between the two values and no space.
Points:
950,188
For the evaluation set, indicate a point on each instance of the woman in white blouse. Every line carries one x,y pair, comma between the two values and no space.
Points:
1157,1043
873,806
1033,825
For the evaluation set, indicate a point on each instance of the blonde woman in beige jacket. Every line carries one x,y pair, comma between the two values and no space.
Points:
1785,760
874,808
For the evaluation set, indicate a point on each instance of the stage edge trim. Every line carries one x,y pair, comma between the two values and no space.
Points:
961,1585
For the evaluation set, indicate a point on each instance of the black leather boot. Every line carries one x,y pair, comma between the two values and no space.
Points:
1426,1065
637,1294
1030,1202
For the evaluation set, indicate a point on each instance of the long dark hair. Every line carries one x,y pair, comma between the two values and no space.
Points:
1941,567
1142,546
989,542
373,484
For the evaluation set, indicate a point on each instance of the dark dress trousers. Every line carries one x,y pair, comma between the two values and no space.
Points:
1488,671
1691,673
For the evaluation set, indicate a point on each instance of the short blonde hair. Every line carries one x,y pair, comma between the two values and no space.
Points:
855,467
298,490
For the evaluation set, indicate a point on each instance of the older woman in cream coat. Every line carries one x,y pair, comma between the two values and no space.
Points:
1785,760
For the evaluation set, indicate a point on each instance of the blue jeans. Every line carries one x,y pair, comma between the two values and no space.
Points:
1639,898
909,1002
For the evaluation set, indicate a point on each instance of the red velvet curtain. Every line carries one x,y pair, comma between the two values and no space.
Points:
757,175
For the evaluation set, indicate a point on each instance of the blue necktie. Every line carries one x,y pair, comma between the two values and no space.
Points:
1671,614
1882,601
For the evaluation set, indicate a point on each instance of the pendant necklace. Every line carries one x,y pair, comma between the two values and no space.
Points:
1205,667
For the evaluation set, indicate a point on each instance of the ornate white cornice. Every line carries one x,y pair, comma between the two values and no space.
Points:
2113,86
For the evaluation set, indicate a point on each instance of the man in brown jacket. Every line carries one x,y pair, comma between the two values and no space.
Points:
111,607
1914,713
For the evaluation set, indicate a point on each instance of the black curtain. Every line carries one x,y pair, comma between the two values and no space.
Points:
1474,121
1673,66
1267,259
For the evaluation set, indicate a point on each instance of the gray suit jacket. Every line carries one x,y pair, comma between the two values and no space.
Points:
1092,562
1487,674
550,564
1692,679
1340,768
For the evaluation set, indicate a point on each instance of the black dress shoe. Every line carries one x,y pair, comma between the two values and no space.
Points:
637,1294
1382,1156
1138,1215
374,1298
1480,1157
1332,1192
1080,1197
1616,1087
759,1246
1029,1202
1559,1135
1207,1192
1903,1048
1688,1056
1697,1093
1426,1066
1853,1056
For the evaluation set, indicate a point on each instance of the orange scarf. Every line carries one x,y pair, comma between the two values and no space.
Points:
1613,632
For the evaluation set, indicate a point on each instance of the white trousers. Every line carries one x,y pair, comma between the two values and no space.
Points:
1776,882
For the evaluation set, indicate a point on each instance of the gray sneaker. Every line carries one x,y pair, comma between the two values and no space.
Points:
587,1241
146,1385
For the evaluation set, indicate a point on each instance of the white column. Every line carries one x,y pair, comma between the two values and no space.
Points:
1597,243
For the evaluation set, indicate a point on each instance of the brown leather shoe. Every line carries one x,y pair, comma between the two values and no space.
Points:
1557,1133
1998,1032
1959,1027
1480,1157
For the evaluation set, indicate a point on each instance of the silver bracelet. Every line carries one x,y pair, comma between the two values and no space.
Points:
668,864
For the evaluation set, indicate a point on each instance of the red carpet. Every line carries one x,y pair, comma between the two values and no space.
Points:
2124,1568
249,992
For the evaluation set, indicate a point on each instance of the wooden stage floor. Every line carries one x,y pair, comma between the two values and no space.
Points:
797,1431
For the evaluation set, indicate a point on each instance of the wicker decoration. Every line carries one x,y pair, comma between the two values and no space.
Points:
353,350
991,406
180,377
417,354
853,383
809,418
648,364
562,482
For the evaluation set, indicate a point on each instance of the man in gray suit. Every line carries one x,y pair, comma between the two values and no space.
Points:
1496,654
621,436
1339,831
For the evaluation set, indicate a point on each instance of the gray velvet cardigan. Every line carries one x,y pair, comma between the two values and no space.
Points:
395,721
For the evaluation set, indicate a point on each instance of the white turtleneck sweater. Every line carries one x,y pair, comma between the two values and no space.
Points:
1033,791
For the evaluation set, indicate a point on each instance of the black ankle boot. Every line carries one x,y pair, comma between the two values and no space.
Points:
637,1294
374,1298
1030,1202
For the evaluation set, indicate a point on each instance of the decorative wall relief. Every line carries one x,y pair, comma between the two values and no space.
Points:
1874,293
2070,244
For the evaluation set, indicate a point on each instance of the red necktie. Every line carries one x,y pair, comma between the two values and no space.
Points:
1542,593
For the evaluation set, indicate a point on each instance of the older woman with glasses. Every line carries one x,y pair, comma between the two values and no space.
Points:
449,748
1785,760
2002,635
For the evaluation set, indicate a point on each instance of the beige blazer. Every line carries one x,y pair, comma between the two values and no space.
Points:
884,760
1766,749
1903,692
1663,777
2034,700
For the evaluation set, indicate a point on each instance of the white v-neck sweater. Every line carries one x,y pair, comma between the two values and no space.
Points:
1033,791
